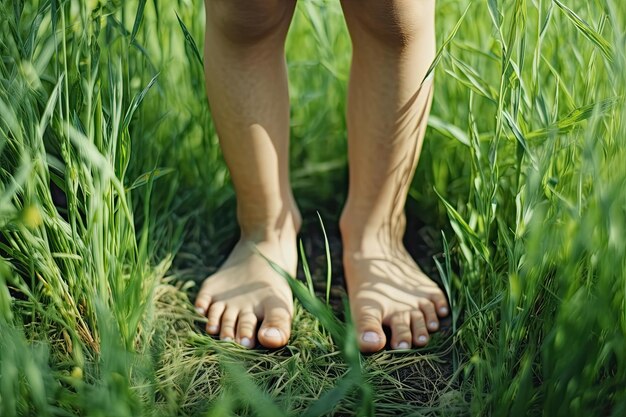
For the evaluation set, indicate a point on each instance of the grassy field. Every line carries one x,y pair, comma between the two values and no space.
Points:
115,202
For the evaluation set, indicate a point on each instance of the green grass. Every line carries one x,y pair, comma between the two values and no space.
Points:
115,203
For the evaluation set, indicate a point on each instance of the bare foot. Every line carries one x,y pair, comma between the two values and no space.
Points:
386,287
246,290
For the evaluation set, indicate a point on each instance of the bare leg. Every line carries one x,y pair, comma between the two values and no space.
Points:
246,82
394,45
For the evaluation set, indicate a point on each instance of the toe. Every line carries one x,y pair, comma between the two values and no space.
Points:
214,317
203,301
370,331
227,326
430,315
246,325
418,328
276,328
400,325
441,304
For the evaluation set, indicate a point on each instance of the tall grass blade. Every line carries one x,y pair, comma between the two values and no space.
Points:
138,19
137,102
445,44
305,268
190,41
311,303
329,272
587,30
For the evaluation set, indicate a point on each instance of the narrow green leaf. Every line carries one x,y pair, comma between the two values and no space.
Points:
448,130
574,118
190,41
54,12
329,271
134,105
587,31
517,132
312,304
305,268
464,230
149,176
138,18
156,12
445,44
495,14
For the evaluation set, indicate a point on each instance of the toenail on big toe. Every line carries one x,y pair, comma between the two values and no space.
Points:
272,333
370,337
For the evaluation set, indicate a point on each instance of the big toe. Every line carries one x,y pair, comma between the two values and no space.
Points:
276,328
369,331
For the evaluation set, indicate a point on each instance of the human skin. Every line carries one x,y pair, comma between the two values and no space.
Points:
388,104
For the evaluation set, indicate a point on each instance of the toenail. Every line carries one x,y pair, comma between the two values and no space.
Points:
403,345
212,329
443,311
422,339
246,342
200,311
272,332
433,324
227,339
371,337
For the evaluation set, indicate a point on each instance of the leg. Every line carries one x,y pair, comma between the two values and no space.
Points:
246,82
388,105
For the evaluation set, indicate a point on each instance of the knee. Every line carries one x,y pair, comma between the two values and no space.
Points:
243,21
396,23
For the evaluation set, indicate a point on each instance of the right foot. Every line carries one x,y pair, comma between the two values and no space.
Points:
247,290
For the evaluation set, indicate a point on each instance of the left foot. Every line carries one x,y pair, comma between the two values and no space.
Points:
387,288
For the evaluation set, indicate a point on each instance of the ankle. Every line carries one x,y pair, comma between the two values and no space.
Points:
296,217
359,236
270,227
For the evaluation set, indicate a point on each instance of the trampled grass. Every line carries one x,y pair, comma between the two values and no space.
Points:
114,201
